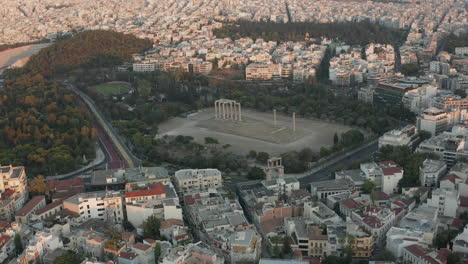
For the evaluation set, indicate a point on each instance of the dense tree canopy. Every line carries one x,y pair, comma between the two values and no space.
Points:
41,127
94,47
353,33
454,41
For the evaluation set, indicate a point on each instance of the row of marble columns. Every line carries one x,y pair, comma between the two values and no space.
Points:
228,110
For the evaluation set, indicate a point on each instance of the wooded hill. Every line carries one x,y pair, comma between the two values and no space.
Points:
93,48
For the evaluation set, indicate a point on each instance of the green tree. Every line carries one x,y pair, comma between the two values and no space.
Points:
410,69
335,139
368,186
423,135
262,157
453,258
70,257
252,154
151,227
443,238
18,243
211,141
157,253
256,173
287,250
460,92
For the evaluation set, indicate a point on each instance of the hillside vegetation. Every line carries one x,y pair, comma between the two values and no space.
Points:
41,127
94,48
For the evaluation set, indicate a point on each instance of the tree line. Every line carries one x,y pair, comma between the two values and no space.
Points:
353,33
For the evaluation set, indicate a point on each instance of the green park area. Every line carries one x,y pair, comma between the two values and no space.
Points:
111,89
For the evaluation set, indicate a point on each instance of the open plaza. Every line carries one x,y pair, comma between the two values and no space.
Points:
254,131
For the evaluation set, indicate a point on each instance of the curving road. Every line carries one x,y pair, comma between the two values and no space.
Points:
129,160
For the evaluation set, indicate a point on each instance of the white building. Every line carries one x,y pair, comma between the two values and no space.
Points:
144,67
257,71
286,185
159,199
460,243
41,243
245,246
433,120
407,136
446,201
197,179
390,178
399,238
104,205
431,171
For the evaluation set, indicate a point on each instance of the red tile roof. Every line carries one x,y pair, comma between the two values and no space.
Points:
157,189
127,255
149,241
63,185
351,204
391,170
48,207
380,196
451,177
457,223
30,205
141,246
464,201
4,224
372,221
388,163
170,223
417,250
8,193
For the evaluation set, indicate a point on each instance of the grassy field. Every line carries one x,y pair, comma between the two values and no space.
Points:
110,89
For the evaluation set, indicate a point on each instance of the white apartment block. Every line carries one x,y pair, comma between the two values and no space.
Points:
431,171
433,120
407,136
41,243
282,185
449,146
104,205
446,201
390,178
257,71
399,238
144,67
197,179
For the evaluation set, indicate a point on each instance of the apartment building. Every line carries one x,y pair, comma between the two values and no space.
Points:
309,239
445,201
257,71
399,238
245,246
144,67
197,180
159,200
13,182
362,243
448,146
406,136
431,171
41,243
105,205
433,120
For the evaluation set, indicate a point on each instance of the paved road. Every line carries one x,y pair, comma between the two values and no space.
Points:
326,172
129,159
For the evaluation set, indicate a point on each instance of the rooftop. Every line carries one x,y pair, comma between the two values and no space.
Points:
30,205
